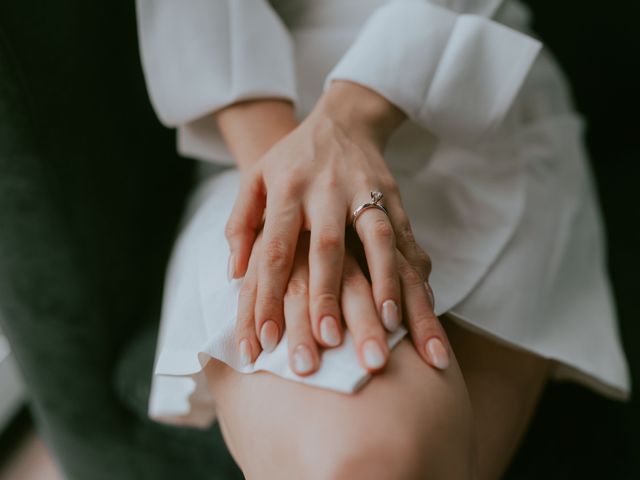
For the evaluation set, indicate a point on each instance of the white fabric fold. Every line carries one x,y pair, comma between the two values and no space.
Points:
218,52
455,74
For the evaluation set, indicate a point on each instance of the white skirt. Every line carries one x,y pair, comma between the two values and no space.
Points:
512,227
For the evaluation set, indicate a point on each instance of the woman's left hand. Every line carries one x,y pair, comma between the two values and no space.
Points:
312,180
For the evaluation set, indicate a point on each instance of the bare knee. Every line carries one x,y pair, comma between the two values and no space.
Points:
385,457
409,423
436,445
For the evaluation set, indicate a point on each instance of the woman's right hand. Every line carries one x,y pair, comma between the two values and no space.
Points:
358,309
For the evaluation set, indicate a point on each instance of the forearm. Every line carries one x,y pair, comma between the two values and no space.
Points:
252,127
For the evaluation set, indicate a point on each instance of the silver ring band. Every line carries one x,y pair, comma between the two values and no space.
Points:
376,197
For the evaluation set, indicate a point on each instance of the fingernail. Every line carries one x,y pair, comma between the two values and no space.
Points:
373,356
231,267
329,332
245,352
390,317
437,354
302,359
269,336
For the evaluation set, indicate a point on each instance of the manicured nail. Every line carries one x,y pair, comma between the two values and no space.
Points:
438,355
269,336
231,267
390,317
329,332
372,353
302,359
245,352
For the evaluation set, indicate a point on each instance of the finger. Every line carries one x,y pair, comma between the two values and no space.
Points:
243,223
279,239
326,256
377,236
303,350
245,332
426,331
359,312
405,239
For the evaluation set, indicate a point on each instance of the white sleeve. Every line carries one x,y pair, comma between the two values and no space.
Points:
201,55
456,74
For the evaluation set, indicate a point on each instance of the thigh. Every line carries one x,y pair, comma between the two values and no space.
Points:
277,428
408,419
504,386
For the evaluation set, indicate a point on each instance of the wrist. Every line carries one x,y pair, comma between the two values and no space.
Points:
360,110
250,128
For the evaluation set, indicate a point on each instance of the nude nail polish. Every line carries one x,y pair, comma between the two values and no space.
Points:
329,332
231,267
372,353
245,352
438,355
302,359
390,317
269,336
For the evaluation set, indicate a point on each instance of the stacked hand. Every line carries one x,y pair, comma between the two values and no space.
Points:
288,233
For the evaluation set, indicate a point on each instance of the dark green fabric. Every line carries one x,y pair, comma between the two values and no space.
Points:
90,195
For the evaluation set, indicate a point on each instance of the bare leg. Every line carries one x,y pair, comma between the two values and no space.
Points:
504,385
409,422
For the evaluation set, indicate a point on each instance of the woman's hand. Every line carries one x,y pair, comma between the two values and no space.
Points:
358,308
312,180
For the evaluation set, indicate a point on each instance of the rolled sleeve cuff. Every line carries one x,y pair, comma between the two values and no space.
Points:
455,74
202,55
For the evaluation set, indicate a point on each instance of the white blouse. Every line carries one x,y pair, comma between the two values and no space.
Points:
491,169
460,69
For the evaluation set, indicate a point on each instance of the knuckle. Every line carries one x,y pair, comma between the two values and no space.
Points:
405,233
244,328
391,188
422,256
297,287
382,229
326,298
247,292
250,184
328,241
233,229
275,254
244,320
425,324
330,181
269,306
387,287
362,180
290,186
423,260
410,276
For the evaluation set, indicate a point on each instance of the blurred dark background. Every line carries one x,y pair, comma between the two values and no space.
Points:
90,195
597,43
